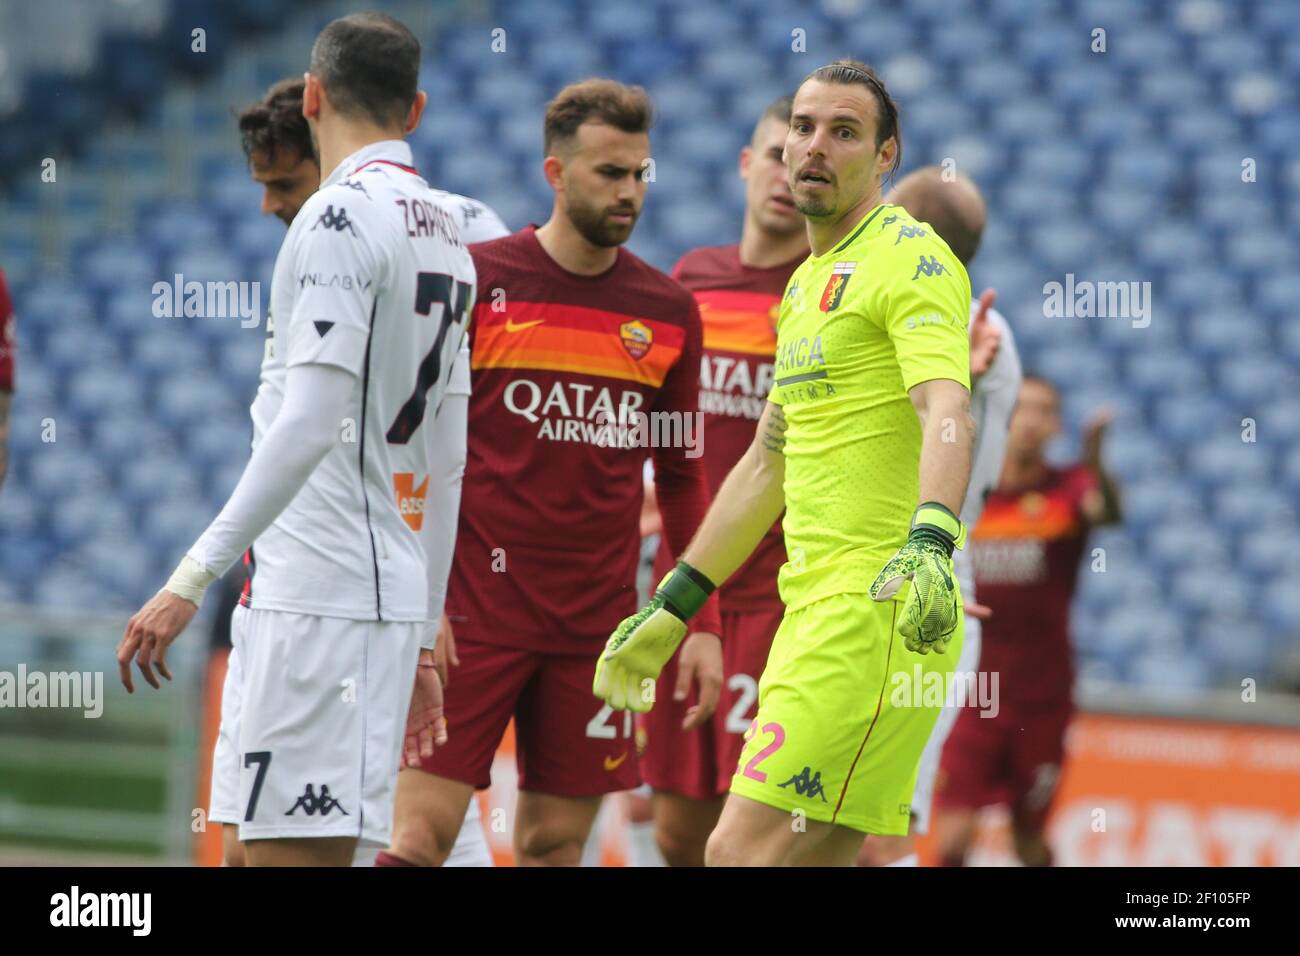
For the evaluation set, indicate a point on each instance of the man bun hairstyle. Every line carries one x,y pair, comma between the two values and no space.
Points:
855,72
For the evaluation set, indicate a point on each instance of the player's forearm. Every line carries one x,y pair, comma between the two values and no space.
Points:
750,500
1111,510
442,507
947,444
4,435
303,432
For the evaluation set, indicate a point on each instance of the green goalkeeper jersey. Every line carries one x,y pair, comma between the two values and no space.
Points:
883,311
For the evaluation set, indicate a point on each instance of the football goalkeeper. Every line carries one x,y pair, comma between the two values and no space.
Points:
866,443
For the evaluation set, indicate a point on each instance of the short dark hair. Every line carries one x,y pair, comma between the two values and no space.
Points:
778,109
847,72
595,101
276,122
369,64
1039,379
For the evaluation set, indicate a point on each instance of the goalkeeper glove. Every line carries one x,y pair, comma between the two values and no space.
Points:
930,611
642,644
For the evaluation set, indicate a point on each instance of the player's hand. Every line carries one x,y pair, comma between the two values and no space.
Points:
985,337
444,651
149,633
425,724
641,645
700,661
930,611
981,611
651,521
1093,434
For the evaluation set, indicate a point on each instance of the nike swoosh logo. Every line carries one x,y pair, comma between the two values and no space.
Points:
513,326
613,764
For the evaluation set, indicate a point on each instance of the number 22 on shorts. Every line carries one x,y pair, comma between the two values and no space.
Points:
778,738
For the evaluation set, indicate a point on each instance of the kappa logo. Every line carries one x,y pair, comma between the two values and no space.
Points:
888,221
410,498
909,232
312,804
636,337
357,185
336,221
928,266
807,784
833,294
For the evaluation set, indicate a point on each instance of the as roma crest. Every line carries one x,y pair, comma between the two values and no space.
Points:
836,284
637,338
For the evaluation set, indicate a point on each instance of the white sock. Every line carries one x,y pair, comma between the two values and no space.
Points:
909,860
470,848
641,848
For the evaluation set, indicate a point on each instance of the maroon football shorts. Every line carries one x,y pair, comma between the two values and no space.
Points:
568,743
699,763
1013,759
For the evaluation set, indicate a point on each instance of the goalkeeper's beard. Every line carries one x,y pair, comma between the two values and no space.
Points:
813,207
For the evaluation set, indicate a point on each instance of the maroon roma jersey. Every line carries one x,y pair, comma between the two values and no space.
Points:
738,307
573,377
1026,551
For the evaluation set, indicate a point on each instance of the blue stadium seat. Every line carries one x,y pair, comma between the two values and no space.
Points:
1235,649
1255,381
1173,541
1171,671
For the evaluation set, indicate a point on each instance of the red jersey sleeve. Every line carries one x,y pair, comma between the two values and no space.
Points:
8,338
680,481
1082,483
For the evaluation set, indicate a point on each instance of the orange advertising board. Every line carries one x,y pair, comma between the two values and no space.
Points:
1144,791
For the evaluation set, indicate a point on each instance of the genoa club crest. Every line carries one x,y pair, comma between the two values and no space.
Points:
637,338
834,290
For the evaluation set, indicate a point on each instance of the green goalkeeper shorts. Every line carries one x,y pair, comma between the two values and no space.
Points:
841,723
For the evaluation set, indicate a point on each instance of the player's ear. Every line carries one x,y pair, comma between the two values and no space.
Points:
553,170
888,152
310,96
417,110
746,156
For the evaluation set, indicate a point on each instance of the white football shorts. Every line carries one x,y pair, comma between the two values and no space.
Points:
313,716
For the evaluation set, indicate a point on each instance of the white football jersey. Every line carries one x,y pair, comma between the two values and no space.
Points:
991,403
375,278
